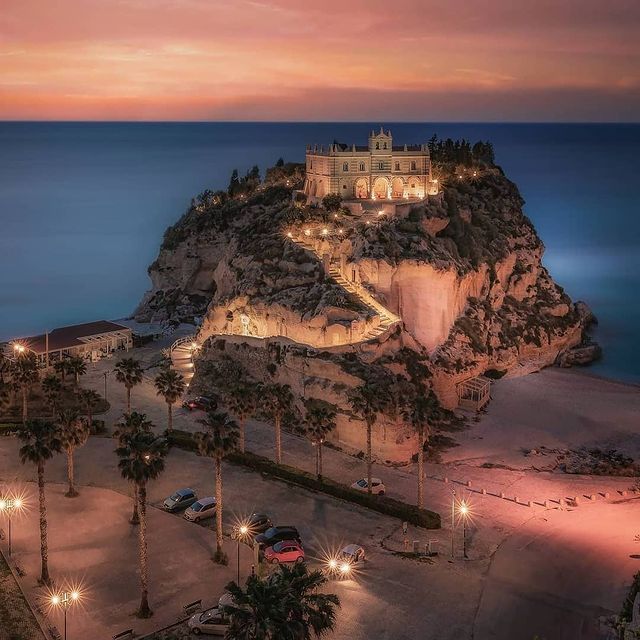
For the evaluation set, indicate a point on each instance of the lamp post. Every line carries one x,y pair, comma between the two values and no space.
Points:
453,520
105,374
242,530
8,505
65,600
464,512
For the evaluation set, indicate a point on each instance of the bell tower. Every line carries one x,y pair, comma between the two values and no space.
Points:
380,143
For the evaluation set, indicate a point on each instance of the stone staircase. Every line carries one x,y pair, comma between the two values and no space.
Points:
181,357
386,317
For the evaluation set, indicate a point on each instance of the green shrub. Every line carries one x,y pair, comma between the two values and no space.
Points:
8,428
627,606
382,504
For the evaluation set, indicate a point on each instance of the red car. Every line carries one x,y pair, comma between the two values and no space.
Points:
200,402
285,551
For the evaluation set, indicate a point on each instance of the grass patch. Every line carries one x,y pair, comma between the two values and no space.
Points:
382,504
16,620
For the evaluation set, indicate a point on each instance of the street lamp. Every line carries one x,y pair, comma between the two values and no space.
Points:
8,505
65,600
243,530
464,514
453,520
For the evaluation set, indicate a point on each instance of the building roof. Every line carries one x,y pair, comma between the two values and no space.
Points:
73,336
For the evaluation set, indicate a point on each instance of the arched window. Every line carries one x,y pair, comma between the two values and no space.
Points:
397,166
362,166
345,166
310,164
381,165
413,165
385,145
377,145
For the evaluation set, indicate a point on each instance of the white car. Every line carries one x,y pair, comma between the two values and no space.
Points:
212,622
201,509
377,486
352,553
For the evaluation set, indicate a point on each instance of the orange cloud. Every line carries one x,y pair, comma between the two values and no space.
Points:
277,59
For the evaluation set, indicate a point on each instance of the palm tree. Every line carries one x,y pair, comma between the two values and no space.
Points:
220,439
286,604
77,367
319,421
131,424
171,385
277,402
73,434
417,412
129,372
52,388
41,441
142,460
61,368
242,401
90,400
25,374
366,401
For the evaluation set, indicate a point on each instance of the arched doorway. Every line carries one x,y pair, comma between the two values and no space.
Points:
381,188
414,187
361,188
397,188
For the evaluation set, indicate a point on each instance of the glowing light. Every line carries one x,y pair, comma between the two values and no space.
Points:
18,348
55,600
368,221
340,231
75,595
244,530
464,509
325,232
380,213
335,215
289,235
307,232
333,564
345,568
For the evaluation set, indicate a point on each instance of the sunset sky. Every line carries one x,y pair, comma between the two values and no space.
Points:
523,60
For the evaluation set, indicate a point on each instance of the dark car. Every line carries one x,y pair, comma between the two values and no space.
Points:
181,499
277,534
259,522
204,403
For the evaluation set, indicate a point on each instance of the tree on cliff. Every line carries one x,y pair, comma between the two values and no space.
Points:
129,372
276,404
319,421
170,385
220,439
420,407
234,183
332,202
367,401
141,459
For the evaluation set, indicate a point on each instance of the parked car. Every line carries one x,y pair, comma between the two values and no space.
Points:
212,622
204,403
377,486
201,509
259,522
284,551
277,534
180,500
352,553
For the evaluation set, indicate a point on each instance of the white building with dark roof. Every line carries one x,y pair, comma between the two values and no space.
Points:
378,171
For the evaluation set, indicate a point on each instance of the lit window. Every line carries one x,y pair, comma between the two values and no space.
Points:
397,166
362,166
413,165
345,166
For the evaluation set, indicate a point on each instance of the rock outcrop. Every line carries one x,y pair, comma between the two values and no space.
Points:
462,271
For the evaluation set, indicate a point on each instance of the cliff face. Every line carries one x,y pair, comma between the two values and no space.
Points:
462,272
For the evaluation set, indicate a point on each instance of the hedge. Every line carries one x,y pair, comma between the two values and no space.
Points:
382,504
8,428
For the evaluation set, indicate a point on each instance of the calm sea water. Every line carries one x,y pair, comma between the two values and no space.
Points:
83,207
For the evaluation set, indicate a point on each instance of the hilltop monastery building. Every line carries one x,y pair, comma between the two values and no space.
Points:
378,171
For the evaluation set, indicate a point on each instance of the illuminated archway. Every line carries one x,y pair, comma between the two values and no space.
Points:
361,188
397,188
381,188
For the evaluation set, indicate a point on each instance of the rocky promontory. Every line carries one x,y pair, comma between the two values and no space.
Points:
326,299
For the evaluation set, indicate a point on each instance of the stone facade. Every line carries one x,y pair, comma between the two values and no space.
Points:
379,171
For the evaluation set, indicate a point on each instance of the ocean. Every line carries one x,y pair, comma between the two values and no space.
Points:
83,207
